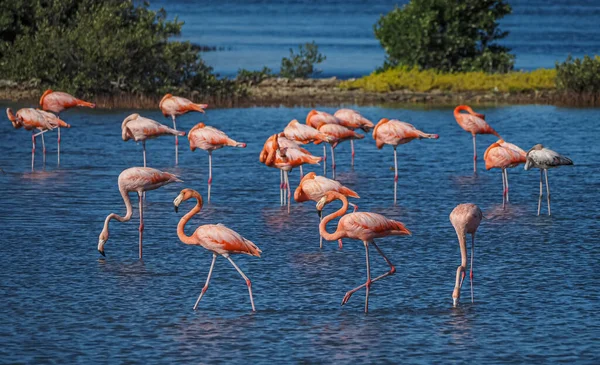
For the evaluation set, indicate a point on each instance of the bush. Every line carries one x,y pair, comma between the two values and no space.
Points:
581,76
302,65
98,47
249,78
447,35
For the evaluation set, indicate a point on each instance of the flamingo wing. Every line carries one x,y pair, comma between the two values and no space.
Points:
366,226
223,240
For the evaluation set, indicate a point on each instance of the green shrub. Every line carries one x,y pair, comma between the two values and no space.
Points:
249,78
580,76
446,35
302,64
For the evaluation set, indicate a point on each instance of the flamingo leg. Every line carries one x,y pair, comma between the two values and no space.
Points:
43,151
352,147
324,160
58,146
301,172
289,192
333,162
141,222
248,283
209,173
503,191
144,149
474,154
368,283
176,142
506,177
205,288
320,237
541,189
395,174
280,188
471,272
32,150
547,190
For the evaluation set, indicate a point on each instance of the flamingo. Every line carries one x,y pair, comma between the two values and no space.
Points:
465,218
544,158
316,119
287,143
139,129
57,101
303,134
31,119
362,226
313,187
503,155
140,180
269,152
475,124
395,132
210,139
216,238
352,119
172,106
337,134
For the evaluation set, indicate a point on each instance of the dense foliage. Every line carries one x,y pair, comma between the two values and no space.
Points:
100,46
302,64
446,35
581,76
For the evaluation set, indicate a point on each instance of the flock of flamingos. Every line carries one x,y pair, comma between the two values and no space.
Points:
283,151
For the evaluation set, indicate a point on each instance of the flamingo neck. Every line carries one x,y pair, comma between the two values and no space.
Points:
323,225
462,242
189,240
127,216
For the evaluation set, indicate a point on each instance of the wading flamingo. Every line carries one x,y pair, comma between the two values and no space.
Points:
503,155
57,101
173,106
267,156
216,238
139,129
394,133
465,218
287,143
313,187
475,124
544,158
361,226
209,139
316,119
337,134
140,180
303,134
352,119
32,119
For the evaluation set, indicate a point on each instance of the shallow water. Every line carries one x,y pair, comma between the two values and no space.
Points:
252,34
536,278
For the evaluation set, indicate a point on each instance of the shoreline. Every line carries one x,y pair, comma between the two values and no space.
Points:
275,92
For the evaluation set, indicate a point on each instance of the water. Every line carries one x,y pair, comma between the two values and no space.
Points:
536,278
253,34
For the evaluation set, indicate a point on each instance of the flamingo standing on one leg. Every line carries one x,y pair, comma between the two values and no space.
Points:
465,218
544,158
475,124
313,187
287,143
269,152
352,119
139,129
31,119
210,139
316,119
503,155
172,106
395,132
361,226
216,238
337,134
303,134
57,101
140,180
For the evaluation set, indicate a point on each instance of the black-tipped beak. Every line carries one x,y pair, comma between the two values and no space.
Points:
176,209
102,253
320,213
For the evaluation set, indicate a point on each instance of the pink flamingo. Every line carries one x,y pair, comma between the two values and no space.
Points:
287,144
140,180
352,119
216,238
475,124
316,119
313,187
210,139
32,119
303,134
465,218
337,134
57,101
361,226
503,155
395,132
173,106
139,129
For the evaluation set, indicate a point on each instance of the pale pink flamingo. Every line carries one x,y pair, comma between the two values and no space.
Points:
316,119
503,155
361,226
57,101
394,133
544,158
139,129
475,124
287,143
465,218
313,187
32,119
352,119
337,134
209,139
303,134
216,238
173,106
140,180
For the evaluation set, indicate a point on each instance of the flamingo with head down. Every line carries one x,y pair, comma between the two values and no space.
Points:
475,124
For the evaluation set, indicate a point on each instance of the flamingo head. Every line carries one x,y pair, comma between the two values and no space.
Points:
102,240
184,195
326,199
455,297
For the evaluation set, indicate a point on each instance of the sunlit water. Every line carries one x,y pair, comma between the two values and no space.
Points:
536,278
251,34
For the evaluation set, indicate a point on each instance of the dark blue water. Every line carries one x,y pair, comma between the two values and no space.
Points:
537,279
253,33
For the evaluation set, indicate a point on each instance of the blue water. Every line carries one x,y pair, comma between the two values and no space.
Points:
253,33
537,279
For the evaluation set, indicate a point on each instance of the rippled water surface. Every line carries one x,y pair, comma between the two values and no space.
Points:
536,278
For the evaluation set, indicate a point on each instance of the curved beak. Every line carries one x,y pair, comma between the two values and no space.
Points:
177,201
320,213
102,253
455,302
176,208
